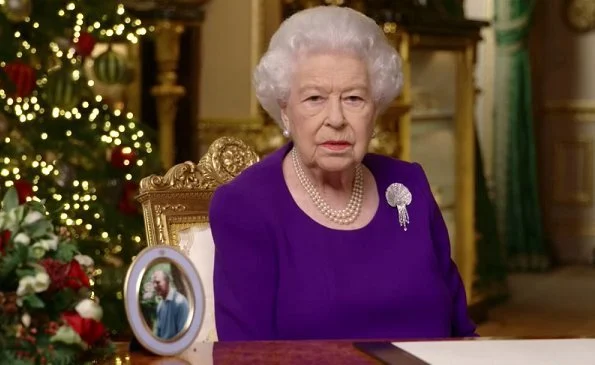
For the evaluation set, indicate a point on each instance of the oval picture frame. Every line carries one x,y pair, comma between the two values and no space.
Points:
182,271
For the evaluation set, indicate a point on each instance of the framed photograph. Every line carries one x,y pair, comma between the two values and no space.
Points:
164,299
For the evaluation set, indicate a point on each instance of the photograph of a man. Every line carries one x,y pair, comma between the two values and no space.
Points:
172,311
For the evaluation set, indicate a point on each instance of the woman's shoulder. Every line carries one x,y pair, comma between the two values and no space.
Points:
255,183
389,166
388,170
244,206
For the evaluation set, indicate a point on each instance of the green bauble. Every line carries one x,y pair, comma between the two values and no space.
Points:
110,68
63,90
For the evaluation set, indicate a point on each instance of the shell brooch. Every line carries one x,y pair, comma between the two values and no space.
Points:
398,196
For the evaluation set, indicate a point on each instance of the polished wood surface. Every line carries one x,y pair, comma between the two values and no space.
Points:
294,352
290,352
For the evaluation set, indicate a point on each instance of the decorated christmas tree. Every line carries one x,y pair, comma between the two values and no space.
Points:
63,142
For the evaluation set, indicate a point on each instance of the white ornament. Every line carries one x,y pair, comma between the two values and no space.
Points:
32,217
84,260
398,196
26,320
49,243
33,284
22,239
87,308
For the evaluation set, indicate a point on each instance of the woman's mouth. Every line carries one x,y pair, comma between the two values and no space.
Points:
336,145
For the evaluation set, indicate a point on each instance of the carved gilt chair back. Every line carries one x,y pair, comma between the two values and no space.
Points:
176,211
180,199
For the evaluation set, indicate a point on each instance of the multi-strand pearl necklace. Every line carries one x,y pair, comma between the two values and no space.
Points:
342,216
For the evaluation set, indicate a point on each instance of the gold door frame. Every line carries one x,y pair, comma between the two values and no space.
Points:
464,47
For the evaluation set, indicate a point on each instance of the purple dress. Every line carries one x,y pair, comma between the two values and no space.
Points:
279,275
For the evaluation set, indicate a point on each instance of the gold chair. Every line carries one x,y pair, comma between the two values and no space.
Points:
176,210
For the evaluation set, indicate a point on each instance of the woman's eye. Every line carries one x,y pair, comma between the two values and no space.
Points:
354,99
314,98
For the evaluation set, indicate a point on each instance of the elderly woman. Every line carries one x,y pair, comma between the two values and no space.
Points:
322,240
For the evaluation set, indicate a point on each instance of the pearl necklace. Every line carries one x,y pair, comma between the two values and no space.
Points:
342,216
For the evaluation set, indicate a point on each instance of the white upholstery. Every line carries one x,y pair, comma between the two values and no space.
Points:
176,205
198,353
197,243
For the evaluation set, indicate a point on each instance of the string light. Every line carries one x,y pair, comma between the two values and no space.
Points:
69,184
10,172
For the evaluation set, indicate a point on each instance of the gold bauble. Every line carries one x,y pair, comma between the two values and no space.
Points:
580,15
17,10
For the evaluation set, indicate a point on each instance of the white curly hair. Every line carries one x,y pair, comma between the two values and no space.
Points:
327,29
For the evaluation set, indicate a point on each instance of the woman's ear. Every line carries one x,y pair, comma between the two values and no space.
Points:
284,119
285,122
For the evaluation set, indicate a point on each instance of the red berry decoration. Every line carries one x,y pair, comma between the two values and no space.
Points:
85,44
128,204
24,190
122,157
4,239
22,76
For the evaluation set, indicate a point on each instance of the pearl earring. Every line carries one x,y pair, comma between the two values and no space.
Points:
285,133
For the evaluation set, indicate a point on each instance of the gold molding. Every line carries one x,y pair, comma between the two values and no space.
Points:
226,158
262,135
563,194
580,15
578,110
258,44
180,198
402,42
167,92
465,249
446,43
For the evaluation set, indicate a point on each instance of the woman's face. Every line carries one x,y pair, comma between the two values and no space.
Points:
330,113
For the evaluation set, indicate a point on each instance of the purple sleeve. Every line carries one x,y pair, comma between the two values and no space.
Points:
245,268
462,325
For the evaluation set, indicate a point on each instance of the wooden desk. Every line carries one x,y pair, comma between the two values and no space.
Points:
476,351
295,352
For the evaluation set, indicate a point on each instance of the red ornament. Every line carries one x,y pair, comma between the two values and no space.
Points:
85,44
24,190
122,157
23,77
76,278
4,238
70,275
128,204
90,330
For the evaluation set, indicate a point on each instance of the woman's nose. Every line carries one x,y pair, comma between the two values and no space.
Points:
335,117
